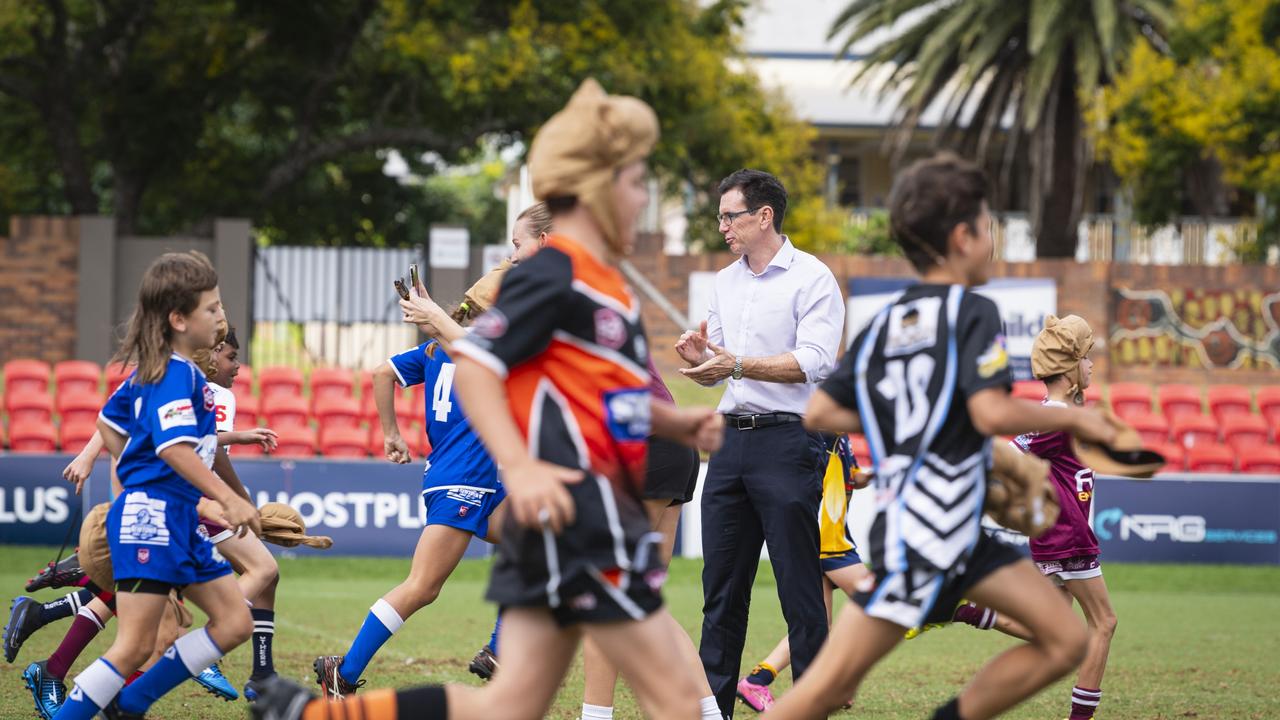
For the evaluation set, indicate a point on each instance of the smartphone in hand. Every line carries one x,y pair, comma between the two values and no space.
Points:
414,282
401,289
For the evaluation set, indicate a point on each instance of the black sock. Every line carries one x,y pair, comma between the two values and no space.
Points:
950,711
762,675
428,702
63,607
264,630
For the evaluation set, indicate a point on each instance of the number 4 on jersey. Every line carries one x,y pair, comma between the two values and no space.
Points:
440,403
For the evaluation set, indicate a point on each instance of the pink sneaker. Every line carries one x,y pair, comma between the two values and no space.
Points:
757,697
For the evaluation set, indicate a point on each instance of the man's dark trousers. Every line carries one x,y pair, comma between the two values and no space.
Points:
763,486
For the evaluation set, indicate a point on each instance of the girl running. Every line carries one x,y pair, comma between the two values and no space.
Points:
164,468
1067,553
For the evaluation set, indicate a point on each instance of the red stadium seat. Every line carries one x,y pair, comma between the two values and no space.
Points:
369,409
295,441
278,380
79,407
114,374
26,376
240,451
416,439
1239,431
1153,428
1178,400
247,409
1175,456
366,383
74,435
1269,403
407,411
330,382
71,376
1211,457
282,411
1192,430
27,405
242,386
861,451
337,412
1129,398
1029,390
33,437
417,393
1260,459
344,442
1225,400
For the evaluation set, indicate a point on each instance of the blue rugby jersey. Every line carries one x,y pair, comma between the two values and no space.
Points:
177,409
457,455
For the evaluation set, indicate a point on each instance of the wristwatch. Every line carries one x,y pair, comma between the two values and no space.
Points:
737,369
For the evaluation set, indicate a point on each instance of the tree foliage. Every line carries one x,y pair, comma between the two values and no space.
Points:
981,60
1211,104
166,114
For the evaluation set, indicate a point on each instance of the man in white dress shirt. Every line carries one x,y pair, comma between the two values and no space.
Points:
771,335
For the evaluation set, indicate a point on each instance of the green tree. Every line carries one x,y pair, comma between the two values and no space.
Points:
168,114
979,60
1210,105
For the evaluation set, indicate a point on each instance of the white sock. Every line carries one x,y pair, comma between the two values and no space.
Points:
596,712
99,682
387,615
710,710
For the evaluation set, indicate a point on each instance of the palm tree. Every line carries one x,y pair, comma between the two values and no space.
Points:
985,61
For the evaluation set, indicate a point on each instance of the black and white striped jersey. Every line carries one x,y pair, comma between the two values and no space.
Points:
908,374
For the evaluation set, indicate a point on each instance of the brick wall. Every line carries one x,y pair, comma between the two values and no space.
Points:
38,278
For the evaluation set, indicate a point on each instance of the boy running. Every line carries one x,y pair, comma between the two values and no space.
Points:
928,383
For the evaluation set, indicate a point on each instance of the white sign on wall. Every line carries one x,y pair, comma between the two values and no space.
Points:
492,256
450,248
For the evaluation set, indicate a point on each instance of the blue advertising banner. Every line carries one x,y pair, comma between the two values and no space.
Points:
1188,519
367,507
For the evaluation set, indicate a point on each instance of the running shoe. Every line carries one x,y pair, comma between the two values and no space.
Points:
280,699
252,687
24,619
48,692
212,680
65,573
331,682
756,697
113,712
484,664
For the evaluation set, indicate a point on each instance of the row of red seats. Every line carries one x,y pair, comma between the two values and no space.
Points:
1205,457
1174,400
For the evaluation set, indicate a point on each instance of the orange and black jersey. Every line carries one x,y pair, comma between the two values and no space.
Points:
566,334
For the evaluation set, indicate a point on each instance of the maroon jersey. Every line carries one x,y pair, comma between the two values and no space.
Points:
1071,536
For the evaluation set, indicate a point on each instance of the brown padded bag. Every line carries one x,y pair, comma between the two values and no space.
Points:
95,552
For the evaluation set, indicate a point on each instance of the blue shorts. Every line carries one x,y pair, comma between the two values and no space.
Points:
465,507
155,535
843,560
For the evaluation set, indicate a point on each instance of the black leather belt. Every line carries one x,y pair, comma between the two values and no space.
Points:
764,420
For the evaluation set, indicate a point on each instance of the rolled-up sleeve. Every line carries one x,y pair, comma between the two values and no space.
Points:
820,326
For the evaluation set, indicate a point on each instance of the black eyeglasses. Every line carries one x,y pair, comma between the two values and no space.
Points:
729,217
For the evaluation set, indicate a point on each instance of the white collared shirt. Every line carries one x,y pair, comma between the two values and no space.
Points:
793,306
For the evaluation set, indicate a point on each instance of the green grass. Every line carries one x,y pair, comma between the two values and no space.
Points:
1193,642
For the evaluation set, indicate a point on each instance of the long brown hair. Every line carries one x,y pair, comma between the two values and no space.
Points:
173,282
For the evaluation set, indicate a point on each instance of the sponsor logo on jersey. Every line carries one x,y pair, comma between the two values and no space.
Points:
611,331
627,413
176,414
995,359
584,602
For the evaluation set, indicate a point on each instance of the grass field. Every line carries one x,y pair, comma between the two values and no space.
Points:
1193,642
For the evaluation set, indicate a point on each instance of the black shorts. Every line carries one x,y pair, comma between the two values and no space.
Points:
920,596
672,473
605,567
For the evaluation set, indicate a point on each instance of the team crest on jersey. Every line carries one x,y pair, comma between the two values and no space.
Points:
995,359
209,402
611,331
491,325
912,326
144,555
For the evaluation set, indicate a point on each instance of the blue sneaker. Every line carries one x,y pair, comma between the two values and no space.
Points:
212,679
251,687
24,619
49,692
